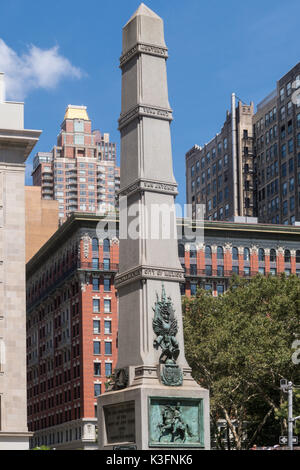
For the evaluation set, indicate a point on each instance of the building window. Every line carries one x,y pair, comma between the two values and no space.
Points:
208,270
106,245
96,305
287,256
220,271
208,287
78,139
108,348
193,288
108,369
97,369
95,245
97,390
107,327
97,349
220,290
246,254
261,255
106,283
235,270
193,252
106,264
96,326
273,256
246,271
107,306
235,254
220,253
208,252
95,284
95,263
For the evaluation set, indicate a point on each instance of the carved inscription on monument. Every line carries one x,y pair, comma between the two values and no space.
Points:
120,422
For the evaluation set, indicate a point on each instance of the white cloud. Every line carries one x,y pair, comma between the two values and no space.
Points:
37,68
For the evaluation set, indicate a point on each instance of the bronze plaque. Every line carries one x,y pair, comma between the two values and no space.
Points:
120,422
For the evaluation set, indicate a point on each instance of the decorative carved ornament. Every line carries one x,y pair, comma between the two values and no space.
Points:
254,249
228,247
86,244
165,326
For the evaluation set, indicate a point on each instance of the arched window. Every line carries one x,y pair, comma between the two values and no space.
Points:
235,254
181,250
298,256
273,256
106,245
261,254
220,253
208,253
193,252
95,245
287,256
246,254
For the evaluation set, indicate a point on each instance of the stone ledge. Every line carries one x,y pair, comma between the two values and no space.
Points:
155,186
149,272
144,48
145,110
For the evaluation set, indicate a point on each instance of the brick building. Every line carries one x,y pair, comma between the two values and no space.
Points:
71,332
251,168
41,220
80,172
277,162
220,174
72,311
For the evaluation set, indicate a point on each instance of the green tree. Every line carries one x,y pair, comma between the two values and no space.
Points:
239,345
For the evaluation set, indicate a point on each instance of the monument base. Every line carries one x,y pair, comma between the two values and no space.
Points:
154,417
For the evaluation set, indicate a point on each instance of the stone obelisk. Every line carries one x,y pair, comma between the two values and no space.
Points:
154,401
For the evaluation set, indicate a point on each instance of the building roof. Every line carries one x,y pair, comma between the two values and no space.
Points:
76,112
226,230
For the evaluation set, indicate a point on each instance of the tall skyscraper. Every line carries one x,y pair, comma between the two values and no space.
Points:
220,174
251,168
81,171
277,141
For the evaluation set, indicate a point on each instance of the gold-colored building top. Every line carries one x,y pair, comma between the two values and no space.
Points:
76,112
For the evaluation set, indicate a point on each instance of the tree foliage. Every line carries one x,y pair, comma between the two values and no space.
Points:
239,345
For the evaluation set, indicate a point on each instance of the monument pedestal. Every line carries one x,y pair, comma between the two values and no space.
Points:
154,417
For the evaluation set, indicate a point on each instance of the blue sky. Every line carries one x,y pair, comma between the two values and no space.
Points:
215,47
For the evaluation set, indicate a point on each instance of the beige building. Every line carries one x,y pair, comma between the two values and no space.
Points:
251,168
15,145
41,220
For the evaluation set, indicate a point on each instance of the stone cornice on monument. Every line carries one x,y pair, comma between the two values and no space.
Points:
143,184
22,138
148,272
144,110
144,48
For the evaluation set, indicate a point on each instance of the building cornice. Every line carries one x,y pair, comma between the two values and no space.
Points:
144,48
